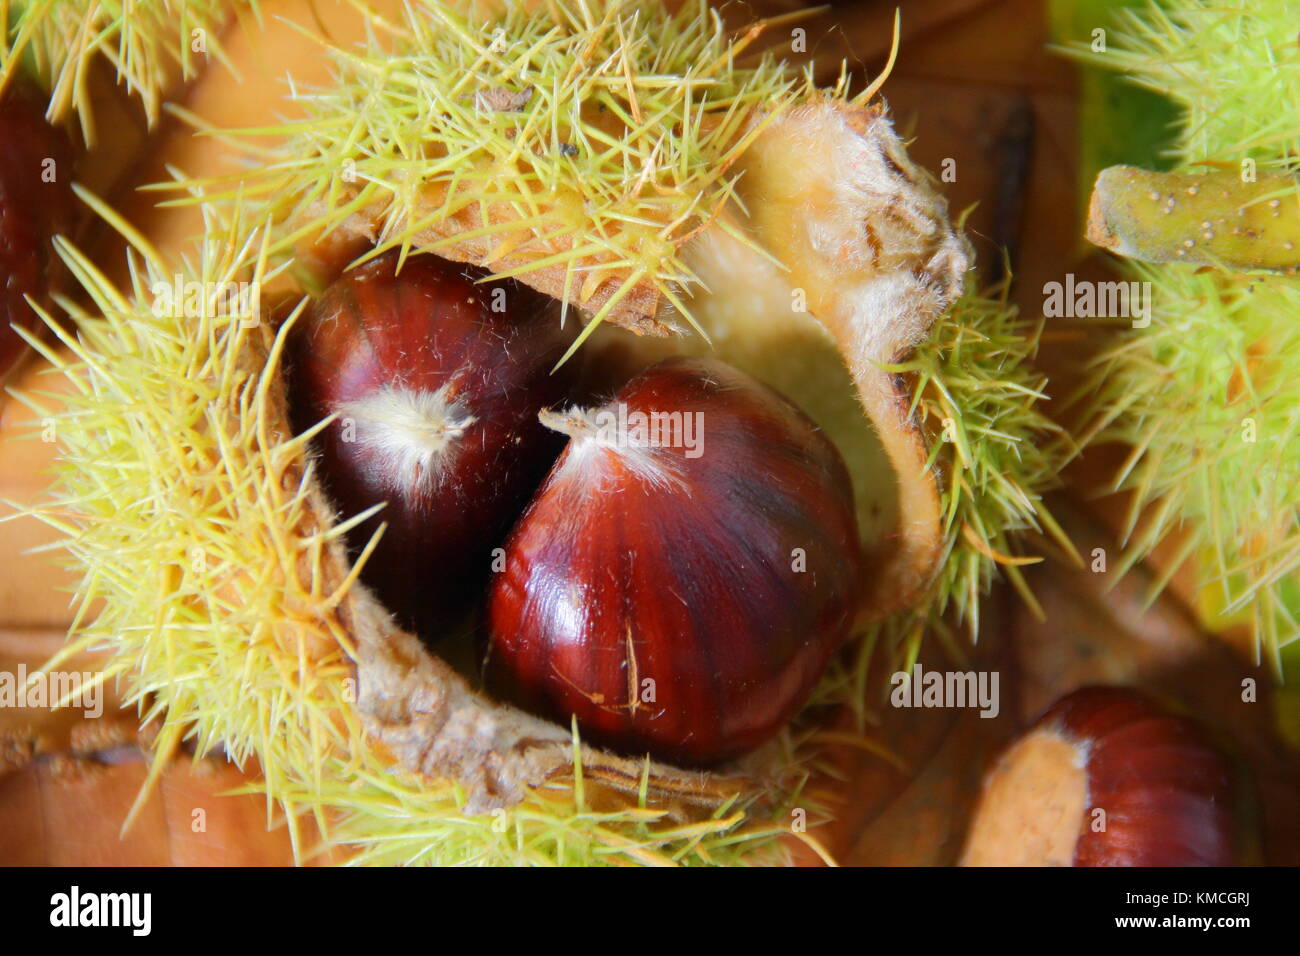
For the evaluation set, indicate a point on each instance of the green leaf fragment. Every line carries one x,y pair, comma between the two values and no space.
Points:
1214,218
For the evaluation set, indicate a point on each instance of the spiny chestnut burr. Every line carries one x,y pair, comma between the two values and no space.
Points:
1107,777
437,381
36,204
685,572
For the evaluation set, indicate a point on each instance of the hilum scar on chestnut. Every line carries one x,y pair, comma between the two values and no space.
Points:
436,380
685,572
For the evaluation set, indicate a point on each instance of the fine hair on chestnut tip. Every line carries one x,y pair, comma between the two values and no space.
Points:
415,431
589,447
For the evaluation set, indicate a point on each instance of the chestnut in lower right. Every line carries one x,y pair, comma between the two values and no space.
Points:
680,598
1107,777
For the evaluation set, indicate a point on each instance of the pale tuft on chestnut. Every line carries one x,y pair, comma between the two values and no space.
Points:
680,598
413,435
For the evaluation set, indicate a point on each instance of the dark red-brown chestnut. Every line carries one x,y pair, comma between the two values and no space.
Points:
437,381
685,572
1107,777
36,204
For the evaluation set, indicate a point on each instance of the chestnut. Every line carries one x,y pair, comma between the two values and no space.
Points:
36,204
685,572
436,380
1107,777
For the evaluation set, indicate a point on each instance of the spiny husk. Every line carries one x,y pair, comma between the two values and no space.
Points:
234,617
151,47
259,663
1207,396
1232,65
1206,399
580,149
974,387
231,612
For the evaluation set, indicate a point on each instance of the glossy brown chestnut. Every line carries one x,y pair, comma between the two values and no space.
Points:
437,381
679,587
1107,777
36,204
